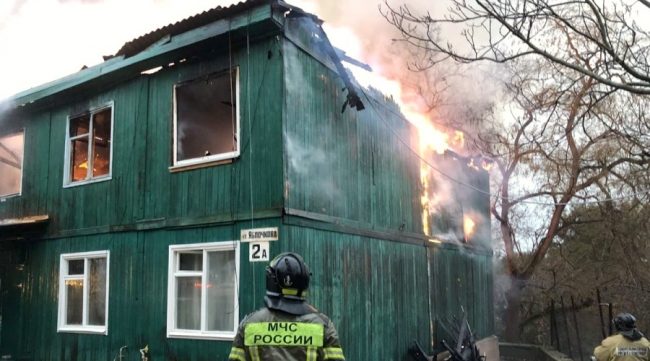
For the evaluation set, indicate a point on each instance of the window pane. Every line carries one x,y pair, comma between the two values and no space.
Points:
11,161
74,309
79,125
221,291
188,303
191,261
76,267
205,119
102,142
79,159
97,292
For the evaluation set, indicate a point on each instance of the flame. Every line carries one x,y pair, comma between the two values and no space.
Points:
430,138
469,227
487,164
472,164
458,140
433,138
424,198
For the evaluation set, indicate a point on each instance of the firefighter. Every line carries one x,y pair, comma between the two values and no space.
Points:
288,328
628,344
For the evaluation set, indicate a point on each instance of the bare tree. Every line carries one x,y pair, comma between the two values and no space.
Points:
578,133
503,30
579,128
570,145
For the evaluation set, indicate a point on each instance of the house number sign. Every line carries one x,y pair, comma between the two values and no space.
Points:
258,238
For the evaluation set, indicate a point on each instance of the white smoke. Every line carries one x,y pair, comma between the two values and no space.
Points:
308,161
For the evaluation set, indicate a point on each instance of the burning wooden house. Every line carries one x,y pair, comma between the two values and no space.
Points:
126,188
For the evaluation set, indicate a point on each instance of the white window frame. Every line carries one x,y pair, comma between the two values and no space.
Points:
63,302
67,181
22,166
210,158
174,250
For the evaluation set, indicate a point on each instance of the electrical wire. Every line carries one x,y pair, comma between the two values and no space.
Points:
235,239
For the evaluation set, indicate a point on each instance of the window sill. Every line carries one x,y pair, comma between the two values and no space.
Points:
224,336
89,181
100,330
185,167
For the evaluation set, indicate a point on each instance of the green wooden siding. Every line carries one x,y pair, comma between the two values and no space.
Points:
347,165
143,189
137,314
461,283
343,188
374,291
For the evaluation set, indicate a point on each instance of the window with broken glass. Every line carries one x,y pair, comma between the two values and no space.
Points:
83,292
202,290
89,146
11,164
206,119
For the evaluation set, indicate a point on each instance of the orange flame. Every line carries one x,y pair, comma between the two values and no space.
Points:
430,138
469,227
487,165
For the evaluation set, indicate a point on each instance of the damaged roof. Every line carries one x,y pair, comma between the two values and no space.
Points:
143,42
147,51
162,45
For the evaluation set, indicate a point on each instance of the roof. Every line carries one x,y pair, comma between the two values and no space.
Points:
164,45
143,42
148,51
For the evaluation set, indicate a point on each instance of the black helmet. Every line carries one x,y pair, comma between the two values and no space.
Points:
624,322
287,281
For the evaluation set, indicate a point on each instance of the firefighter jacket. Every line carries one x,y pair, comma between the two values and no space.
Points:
266,335
624,347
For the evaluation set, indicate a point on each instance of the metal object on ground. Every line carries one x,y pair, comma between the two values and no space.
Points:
463,348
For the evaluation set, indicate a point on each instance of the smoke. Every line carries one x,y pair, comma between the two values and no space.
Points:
5,106
449,94
306,161
9,9
89,2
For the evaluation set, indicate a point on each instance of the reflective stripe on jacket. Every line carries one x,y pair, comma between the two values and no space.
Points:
266,335
619,348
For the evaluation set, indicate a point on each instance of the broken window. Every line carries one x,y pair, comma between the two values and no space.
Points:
11,164
89,145
83,292
206,121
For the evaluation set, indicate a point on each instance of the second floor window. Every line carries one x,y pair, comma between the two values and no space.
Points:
11,164
206,120
88,148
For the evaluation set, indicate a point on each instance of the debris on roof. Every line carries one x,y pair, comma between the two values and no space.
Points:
143,42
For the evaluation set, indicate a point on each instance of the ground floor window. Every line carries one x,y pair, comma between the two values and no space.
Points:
83,292
203,290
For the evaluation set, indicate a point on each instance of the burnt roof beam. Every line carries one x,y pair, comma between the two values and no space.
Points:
352,99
